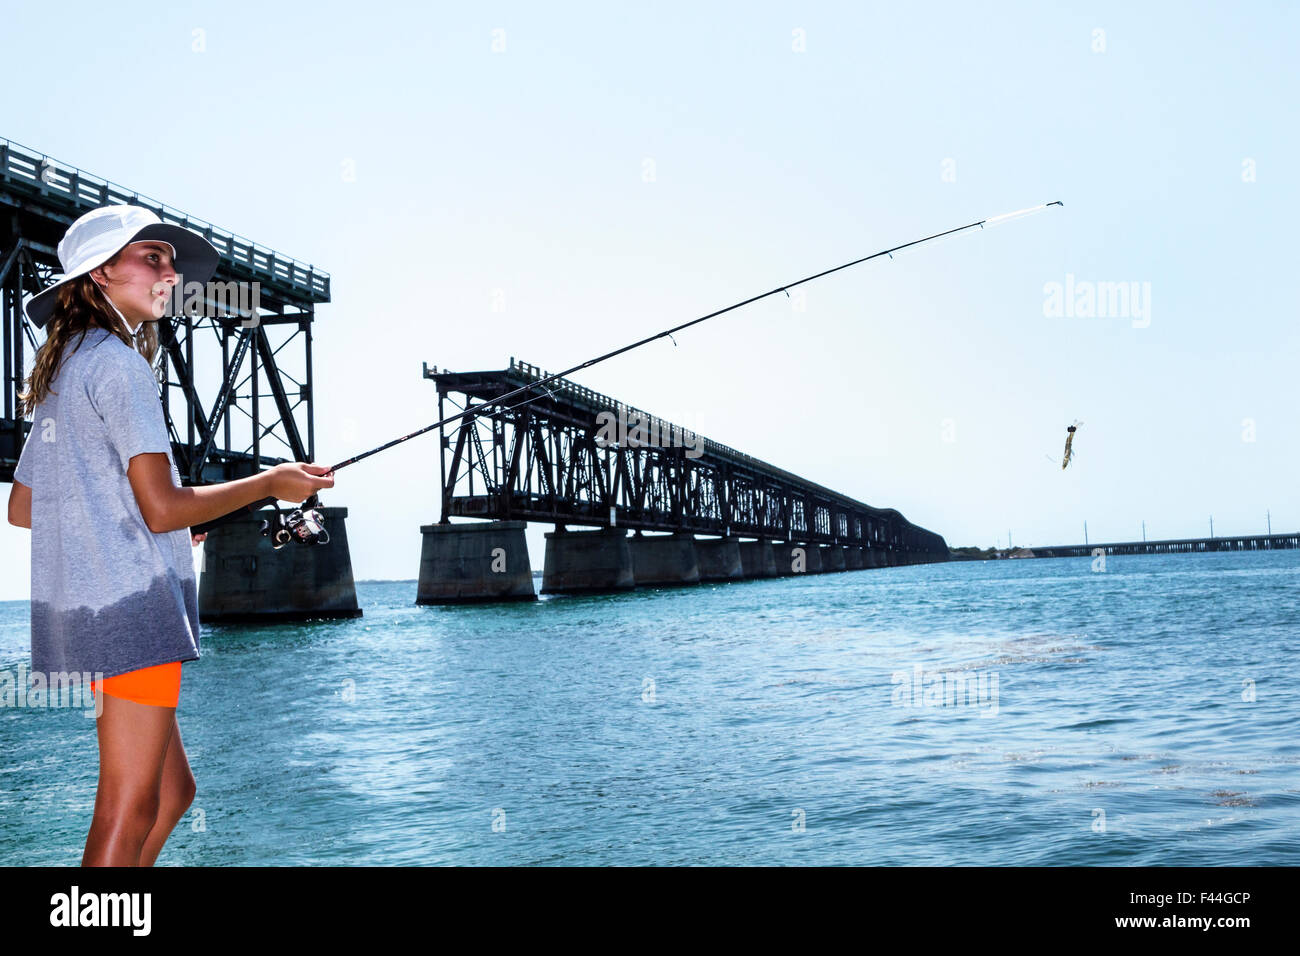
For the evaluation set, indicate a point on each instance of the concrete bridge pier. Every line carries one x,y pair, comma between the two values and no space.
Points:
783,553
813,558
245,580
853,556
788,561
664,559
474,562
833,558
719,559
758,559
587,562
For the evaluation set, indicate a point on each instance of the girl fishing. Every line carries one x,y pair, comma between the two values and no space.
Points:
114,596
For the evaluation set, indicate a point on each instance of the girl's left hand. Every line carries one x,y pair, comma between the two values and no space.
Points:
197,539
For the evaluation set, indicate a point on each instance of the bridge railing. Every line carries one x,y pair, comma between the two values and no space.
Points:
38,174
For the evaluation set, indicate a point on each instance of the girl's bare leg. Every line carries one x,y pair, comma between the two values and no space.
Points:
132,744
174,796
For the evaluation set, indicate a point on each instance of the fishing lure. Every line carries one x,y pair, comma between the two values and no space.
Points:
1069,443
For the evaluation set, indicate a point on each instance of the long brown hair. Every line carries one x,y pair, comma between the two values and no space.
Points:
79,307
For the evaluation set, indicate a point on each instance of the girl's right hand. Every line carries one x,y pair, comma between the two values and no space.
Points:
297,481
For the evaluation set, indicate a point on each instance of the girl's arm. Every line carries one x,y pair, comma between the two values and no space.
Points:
20,505
166,507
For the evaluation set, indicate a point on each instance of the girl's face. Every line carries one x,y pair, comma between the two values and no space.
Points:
140,281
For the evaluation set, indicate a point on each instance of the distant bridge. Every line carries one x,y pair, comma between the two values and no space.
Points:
546,462
1259,542
553,459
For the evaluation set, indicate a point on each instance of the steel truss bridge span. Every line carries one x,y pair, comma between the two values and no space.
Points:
551,460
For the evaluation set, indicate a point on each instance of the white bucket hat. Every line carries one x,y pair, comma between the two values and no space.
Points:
98,235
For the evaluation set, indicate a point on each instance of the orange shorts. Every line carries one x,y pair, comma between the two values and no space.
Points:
159,686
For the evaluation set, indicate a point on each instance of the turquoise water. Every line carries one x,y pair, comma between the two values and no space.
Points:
1146,714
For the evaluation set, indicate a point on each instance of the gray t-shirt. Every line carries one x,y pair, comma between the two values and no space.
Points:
108,595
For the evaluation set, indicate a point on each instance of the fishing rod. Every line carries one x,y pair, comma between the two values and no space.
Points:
307,525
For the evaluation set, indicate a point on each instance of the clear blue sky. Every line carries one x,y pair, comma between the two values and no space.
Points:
522,171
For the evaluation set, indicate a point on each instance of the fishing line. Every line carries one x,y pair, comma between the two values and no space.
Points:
304,530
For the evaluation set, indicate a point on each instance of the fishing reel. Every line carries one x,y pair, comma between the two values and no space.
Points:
303,525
